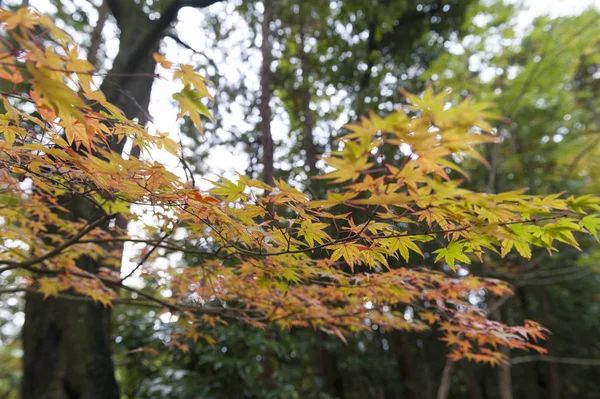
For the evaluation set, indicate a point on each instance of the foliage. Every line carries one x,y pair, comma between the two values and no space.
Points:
252,241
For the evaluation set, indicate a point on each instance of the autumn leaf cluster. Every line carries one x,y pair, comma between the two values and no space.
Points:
263,254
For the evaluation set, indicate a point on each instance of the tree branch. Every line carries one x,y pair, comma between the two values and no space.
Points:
578,158
198,3
553,359
56,251
178,40
145,257
494,307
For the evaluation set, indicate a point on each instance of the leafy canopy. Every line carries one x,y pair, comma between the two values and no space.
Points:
263,254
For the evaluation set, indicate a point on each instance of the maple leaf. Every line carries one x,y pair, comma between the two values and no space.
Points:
189,77
429,317
454,251
189,102
346,169
162,61
291,275
227,188
349,251
450,339
313,232
50,286
584,203
64,101
21,18
373,256
402,245
592,224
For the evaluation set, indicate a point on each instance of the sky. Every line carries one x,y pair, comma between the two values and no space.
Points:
558,7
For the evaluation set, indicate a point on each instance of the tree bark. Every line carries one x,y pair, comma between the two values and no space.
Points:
405,368
473,386
307,122
265,97
96,38
429,391
66,350
504,378
329,370
444,388
66,344
554,381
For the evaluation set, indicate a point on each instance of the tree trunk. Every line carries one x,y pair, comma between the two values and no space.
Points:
405,368
444,388
66,343
265,97
307,117
473,386
96,38
504,378
329,370
429,391
67,350
554,381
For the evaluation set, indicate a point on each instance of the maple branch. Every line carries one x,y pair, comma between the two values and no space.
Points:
555,279
178,40
554,359
163,303
184,163
168,245
376,237
160,244
91,73
145,257
118,301
579,157
56,251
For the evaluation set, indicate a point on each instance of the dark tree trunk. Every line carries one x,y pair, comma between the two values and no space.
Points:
66,343
265,97
473,386
405,368
96,38
429,390
307,122
554,381
67,350
329,370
